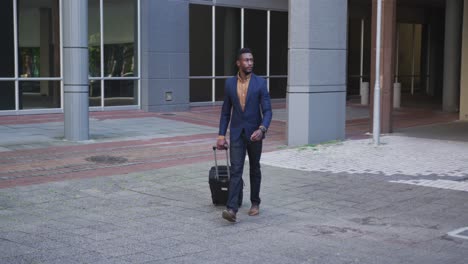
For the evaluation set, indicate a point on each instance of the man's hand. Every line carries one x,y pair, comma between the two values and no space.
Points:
221,144
257,135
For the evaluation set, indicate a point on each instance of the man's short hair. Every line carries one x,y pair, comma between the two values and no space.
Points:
242,51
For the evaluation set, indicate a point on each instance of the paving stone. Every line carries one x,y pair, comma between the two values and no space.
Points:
347,213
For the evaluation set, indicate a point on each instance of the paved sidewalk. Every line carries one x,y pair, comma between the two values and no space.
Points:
40,135
343,202
166,216
401,157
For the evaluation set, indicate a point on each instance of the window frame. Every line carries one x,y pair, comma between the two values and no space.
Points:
17,79
213,77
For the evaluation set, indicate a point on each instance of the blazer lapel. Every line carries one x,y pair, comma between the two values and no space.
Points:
249,90
234,91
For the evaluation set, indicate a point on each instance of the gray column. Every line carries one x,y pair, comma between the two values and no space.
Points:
452,54
75,69
165,55
316,97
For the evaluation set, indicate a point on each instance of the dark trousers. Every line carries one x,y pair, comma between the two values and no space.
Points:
238,149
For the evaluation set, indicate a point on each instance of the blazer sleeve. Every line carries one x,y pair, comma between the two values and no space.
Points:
266,105
225,111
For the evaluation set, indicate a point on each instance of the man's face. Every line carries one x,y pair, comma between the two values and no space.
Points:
245,63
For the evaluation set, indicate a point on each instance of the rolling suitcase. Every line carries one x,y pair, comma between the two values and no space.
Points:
218,179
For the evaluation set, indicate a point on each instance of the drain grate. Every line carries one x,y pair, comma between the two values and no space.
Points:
459,233
169,114
105,159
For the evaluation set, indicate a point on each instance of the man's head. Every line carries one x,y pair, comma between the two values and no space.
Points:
245,61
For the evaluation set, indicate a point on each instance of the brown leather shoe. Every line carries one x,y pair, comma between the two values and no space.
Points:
229,215
254,210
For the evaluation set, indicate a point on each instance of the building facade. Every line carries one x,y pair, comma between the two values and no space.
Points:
166,55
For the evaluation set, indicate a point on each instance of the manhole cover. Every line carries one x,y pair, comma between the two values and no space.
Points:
460,233
106,159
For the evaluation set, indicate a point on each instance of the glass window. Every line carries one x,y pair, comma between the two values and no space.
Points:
120,29
7,98
278,87
38,35
94,38
278,43
200,90
200,40
255,38
39,94
7,62
220,83
227,40
94,92
120,92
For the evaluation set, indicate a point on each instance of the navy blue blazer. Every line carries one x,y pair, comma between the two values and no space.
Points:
257,108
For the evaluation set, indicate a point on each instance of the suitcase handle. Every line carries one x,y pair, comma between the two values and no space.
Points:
216,163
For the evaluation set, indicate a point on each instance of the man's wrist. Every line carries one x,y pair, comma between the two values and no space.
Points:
263,129
221,137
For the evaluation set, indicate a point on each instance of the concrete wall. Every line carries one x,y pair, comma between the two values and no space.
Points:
165,54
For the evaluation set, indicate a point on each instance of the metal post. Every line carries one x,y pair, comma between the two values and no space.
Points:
397,53
361,65
213,54
242,27
15,39
268,48
376,123
413,49
75,72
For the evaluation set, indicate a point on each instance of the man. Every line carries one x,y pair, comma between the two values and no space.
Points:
247,108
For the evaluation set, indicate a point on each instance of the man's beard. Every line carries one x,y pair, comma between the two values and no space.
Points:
247,72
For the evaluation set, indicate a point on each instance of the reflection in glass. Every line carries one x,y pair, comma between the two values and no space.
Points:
278,87
94,38
7,98
278,43
120,92
120,38
200,40
7,62
39,39
94,92
39,94
255,37
219,89
227,40
200,90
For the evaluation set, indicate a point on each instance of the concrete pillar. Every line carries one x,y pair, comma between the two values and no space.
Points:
464,67
387,67
165,55
452,54
316,96
75,69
